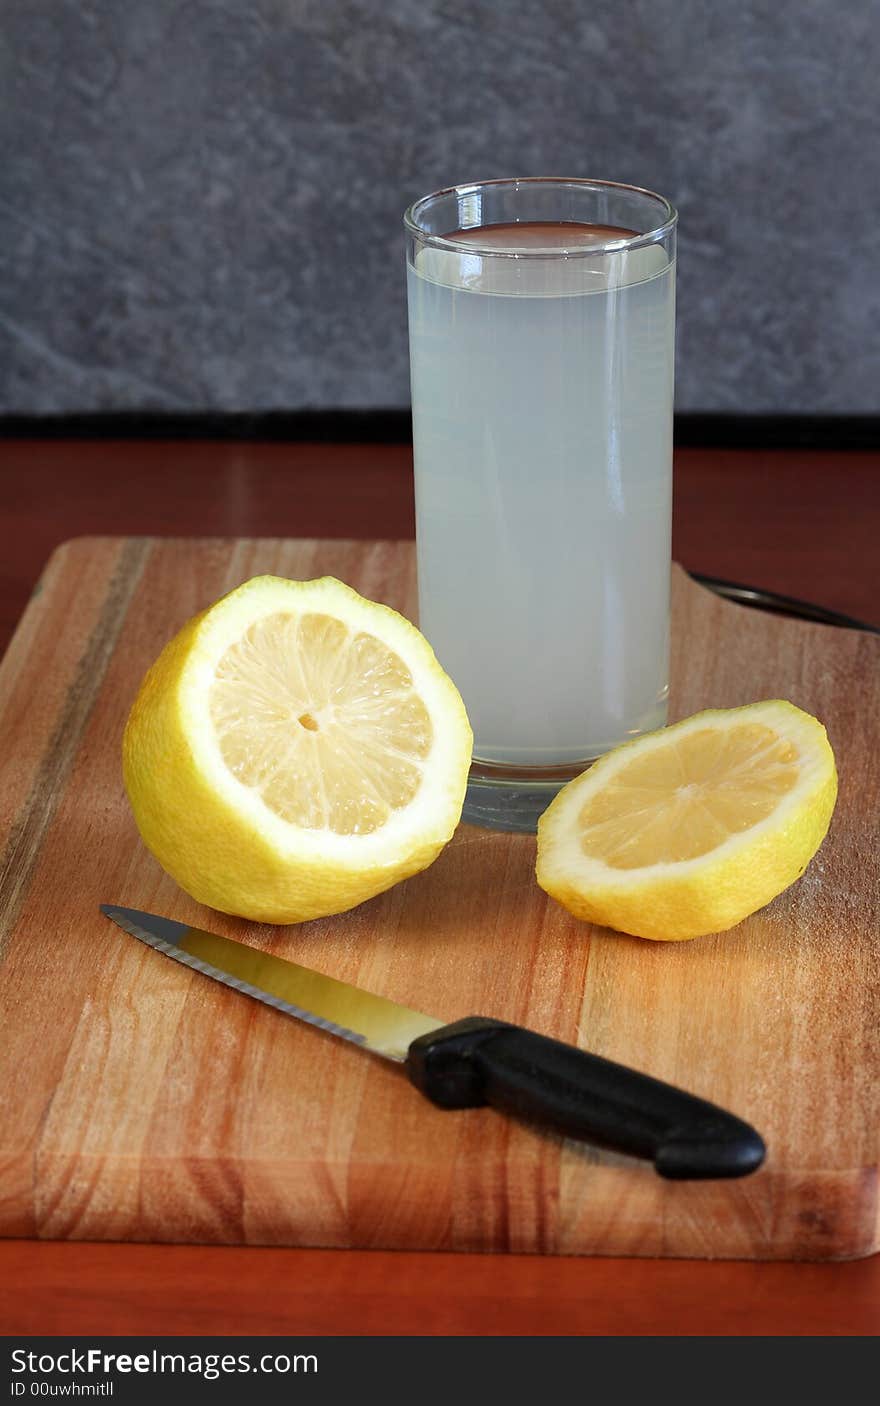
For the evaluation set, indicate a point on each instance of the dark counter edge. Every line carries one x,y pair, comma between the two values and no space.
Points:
394,426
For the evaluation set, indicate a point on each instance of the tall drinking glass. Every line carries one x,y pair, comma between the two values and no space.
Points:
541,323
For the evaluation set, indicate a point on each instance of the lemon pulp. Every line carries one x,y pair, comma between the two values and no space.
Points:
322,721
686,800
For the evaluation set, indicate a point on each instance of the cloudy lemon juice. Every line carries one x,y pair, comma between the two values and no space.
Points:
541,369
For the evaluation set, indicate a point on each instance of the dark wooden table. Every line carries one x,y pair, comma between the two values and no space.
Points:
804,523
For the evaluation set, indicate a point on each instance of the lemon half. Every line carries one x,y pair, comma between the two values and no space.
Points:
688,830
295,750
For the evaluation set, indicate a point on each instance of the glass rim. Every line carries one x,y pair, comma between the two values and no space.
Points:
615,246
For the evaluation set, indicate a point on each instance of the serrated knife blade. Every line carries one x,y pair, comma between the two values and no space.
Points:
371,1021
478,1060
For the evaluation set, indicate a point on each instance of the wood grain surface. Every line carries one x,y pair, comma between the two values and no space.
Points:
140,1102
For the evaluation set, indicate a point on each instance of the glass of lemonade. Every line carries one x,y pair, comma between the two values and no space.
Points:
541,324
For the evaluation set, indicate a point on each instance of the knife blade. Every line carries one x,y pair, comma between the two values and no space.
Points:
478,1060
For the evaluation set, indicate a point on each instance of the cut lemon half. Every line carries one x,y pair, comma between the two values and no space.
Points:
295,750
688,830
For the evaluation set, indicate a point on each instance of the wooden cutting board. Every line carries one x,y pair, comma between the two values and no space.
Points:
139,1101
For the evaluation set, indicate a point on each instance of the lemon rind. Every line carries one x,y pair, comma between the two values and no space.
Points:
712,892
291,874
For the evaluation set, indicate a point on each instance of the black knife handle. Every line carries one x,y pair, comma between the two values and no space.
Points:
479,1061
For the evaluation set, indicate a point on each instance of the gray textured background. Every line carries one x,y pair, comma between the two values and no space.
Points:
201,201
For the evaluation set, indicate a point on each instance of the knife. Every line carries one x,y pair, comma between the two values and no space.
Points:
478,1061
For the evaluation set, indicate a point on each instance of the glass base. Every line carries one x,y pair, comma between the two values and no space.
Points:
514,798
